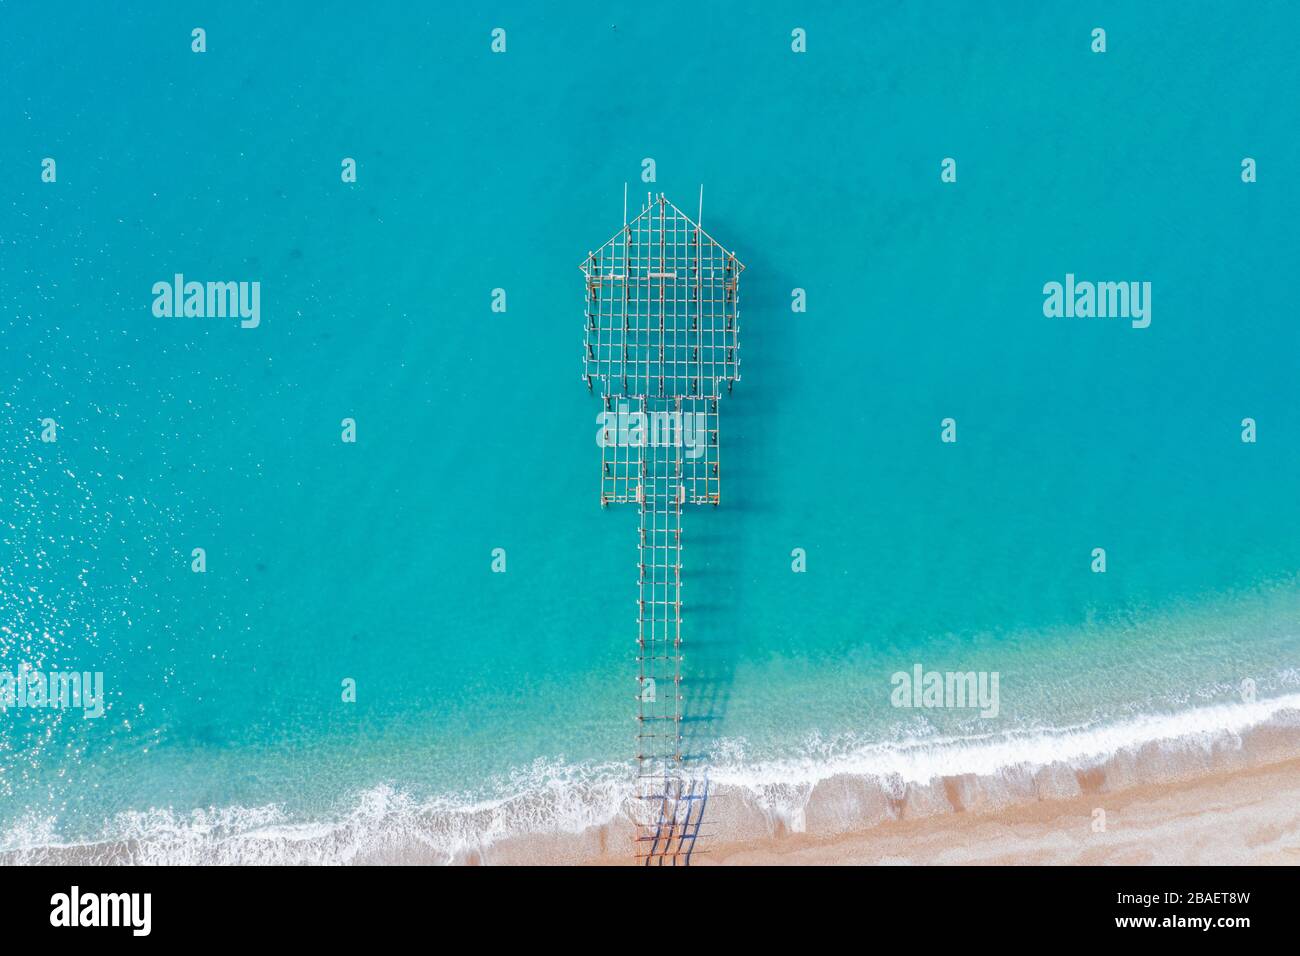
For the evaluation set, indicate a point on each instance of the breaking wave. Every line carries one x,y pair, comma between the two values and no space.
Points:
554,811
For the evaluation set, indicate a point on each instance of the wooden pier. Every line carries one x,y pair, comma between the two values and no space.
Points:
662,342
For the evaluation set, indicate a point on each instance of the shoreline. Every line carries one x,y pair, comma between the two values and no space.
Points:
1230,804
1214,794
1242,817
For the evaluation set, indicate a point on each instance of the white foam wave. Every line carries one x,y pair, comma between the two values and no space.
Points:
557,799
782,788
922,760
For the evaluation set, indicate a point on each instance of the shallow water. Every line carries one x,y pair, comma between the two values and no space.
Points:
371,561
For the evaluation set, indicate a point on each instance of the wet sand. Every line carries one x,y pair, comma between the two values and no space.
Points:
1249,816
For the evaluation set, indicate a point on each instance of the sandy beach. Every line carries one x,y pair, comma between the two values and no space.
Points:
1249,816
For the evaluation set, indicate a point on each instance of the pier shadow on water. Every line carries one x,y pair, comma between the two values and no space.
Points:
714,615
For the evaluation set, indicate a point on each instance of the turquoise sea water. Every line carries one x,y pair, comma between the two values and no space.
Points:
476,171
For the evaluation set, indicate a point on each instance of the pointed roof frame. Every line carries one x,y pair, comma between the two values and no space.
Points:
582,266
